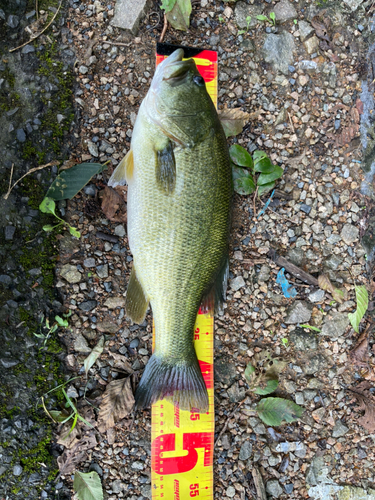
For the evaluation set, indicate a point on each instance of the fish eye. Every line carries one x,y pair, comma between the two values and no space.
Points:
198,80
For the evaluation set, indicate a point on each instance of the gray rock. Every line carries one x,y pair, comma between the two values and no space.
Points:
90,190
137,465
302,340
128,14
214,40
237,283
300,450
296,256
8,362
353,4
95,467
80,343
273,488
89,262
2,14
146,490
314,364
60,117
300,312
72,392
278,50
102,271
83,69
284,11
339,429
332,262
247,46
13,21
87,305
335,325
134,343
305,30
4,278
9,232
224,371
120,231
349,234
245,451
93,149
318,471
230,492
317,296
114,302
21,136
264,273
243,11
236,393
28,49
311,44
17,470
70,273
257,426
117,486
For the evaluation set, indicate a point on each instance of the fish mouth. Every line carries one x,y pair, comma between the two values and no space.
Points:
177,71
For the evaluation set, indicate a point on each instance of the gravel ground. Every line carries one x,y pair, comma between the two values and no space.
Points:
303,83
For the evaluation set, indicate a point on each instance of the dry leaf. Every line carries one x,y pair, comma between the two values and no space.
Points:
359,355
121,363
69,440
94,355
366,402
325,284
117,403
233,120
69,460
113,205
320,29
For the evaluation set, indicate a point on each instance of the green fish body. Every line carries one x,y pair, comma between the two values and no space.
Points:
179,194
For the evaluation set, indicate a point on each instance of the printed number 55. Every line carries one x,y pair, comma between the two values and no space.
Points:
195,490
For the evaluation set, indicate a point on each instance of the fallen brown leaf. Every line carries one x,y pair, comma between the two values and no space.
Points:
117,403
113,205
69,440
121,363
359,355
320,28
366,402
69,460
233,120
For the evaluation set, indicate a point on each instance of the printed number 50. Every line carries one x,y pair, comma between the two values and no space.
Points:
195,490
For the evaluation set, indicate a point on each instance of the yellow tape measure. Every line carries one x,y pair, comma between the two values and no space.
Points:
182,442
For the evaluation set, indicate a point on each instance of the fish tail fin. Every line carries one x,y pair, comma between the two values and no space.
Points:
179,382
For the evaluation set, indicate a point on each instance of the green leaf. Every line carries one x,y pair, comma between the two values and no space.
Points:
167,5
314,328
88,486
271,176
262,18
74,232
61,322
258,155
242,181
48,206
272,16
241,32
240,156
249,373
59,416
274,411
69,182
270,387
263,165
362,305
94,354
265,188
48,227
179,15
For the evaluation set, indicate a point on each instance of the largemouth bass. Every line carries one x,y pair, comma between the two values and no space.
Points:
179,193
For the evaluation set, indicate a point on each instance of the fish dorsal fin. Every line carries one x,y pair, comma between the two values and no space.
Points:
136,301
166,169
124,171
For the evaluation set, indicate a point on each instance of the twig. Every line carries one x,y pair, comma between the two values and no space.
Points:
258,483
43,30
254,199
292,269
291,123
121,44
52,163
227,421
164,29
36,8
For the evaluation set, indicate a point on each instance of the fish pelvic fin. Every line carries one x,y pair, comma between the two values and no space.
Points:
136,301
123,172
178,381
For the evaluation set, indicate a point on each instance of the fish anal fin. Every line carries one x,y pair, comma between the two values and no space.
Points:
216,295
124,171
166,168
136,301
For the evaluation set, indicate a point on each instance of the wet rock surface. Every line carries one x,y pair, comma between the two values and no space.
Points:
305,92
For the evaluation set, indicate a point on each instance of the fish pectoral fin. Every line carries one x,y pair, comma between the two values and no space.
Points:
123,172
166,168
216,295
136,301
